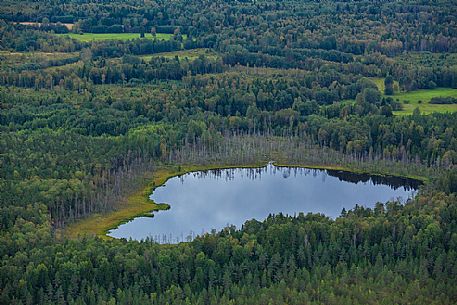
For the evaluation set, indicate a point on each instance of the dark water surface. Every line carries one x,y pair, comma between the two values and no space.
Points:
206,200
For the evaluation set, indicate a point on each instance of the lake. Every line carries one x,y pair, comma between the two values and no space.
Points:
206,200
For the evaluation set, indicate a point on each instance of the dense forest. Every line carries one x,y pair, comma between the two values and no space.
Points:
225,82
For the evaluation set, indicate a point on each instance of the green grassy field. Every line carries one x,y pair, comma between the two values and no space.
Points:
379,81
116,36
184,54
421,98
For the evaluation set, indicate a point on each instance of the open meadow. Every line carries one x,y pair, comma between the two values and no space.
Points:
421,98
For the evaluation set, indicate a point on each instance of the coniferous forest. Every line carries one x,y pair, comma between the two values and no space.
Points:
97,95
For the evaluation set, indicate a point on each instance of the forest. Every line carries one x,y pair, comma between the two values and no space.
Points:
97,95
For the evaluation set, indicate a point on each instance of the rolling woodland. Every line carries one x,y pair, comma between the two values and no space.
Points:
227,83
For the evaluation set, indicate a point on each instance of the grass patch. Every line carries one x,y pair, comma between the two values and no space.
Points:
379,81
421,98
86,37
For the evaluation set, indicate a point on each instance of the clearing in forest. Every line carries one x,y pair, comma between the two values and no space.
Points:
421,98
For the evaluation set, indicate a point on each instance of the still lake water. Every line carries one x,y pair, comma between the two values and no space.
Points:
206,200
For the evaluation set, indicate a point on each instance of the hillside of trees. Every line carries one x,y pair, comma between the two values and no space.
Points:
298,81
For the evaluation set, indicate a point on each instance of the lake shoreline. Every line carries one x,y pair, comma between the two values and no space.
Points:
138,203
